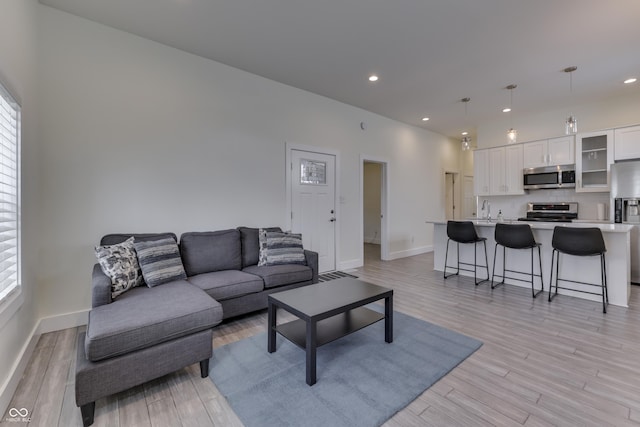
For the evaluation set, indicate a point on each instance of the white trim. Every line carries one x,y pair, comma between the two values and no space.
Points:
411,252
350,265
10,305
10,386
384,205
337,197
43,326
63,321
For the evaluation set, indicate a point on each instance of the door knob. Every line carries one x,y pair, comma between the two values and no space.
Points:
333,219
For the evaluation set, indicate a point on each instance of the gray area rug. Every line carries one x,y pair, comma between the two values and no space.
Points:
362,380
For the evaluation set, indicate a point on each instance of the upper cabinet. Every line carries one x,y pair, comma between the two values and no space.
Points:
481,172
498,171
549,152
593,160
627,143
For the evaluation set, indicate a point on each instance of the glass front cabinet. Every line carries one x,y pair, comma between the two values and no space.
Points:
594,156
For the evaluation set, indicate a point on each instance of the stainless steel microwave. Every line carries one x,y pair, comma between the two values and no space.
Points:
562,176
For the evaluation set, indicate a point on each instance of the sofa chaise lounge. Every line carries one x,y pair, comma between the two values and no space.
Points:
148,332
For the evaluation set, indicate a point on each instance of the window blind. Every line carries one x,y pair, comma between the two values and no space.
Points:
9,193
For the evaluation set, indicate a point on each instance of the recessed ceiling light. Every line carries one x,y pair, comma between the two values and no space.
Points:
465,133
424,119
506,110
631,80
373,78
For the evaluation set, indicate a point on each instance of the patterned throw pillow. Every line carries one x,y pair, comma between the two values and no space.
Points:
277,248
120,263
160,261
262,241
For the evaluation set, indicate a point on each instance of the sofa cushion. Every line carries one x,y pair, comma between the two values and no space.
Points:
120,263
204,252
143,317
160,261
251,244
226,284
278,248
112,239
279,275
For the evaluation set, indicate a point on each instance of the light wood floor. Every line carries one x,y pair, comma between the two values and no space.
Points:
562,363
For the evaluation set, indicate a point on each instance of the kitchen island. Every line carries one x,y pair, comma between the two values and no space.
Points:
587,269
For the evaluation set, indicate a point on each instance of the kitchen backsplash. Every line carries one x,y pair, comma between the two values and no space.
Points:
516,206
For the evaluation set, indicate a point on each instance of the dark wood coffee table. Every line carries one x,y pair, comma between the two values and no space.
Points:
327,311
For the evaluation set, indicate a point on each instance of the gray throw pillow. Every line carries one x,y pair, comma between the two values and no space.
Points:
277,248
160,261
120,263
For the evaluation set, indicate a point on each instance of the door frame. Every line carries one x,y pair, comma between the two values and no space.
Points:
289,147
384,206
457,191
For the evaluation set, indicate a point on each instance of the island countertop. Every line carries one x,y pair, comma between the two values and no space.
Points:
617,239
541,225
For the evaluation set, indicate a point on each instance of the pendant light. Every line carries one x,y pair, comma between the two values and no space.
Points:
466,140
571,123
512,134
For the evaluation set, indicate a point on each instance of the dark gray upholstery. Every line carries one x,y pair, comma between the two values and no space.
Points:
252,302
222,285
143,317
278,275
147,332
251,244
312,263
113,239
95,380
101,290
204,252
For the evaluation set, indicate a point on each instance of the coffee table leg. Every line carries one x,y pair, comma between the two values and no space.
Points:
271,333
311,352
388,319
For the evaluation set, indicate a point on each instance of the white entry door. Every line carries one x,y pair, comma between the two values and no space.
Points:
313,209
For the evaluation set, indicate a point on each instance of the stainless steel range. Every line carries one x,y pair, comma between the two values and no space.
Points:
551,212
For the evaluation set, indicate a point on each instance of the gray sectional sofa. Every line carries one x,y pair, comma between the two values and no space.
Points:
148,332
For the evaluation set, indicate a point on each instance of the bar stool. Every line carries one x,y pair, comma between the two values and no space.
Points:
464,232
579,242
516,236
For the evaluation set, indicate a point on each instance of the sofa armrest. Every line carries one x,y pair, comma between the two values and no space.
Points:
100,287
312,261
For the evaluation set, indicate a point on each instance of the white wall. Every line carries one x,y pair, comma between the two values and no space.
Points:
17,73
619,111
140,137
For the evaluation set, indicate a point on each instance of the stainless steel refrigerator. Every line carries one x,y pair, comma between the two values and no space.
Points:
625,199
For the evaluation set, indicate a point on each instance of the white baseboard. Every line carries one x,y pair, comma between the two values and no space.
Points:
44,325
410,252
63,321
351,264
10,386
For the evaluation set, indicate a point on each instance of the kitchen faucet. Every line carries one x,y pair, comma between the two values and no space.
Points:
487,204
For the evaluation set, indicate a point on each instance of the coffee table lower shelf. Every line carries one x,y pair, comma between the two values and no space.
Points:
330,329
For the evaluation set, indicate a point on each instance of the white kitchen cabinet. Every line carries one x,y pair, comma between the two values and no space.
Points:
549,152
481,172
593,161
562,151
535,153
627,143
498,171
513,179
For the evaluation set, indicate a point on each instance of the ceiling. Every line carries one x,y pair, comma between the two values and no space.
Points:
428,54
